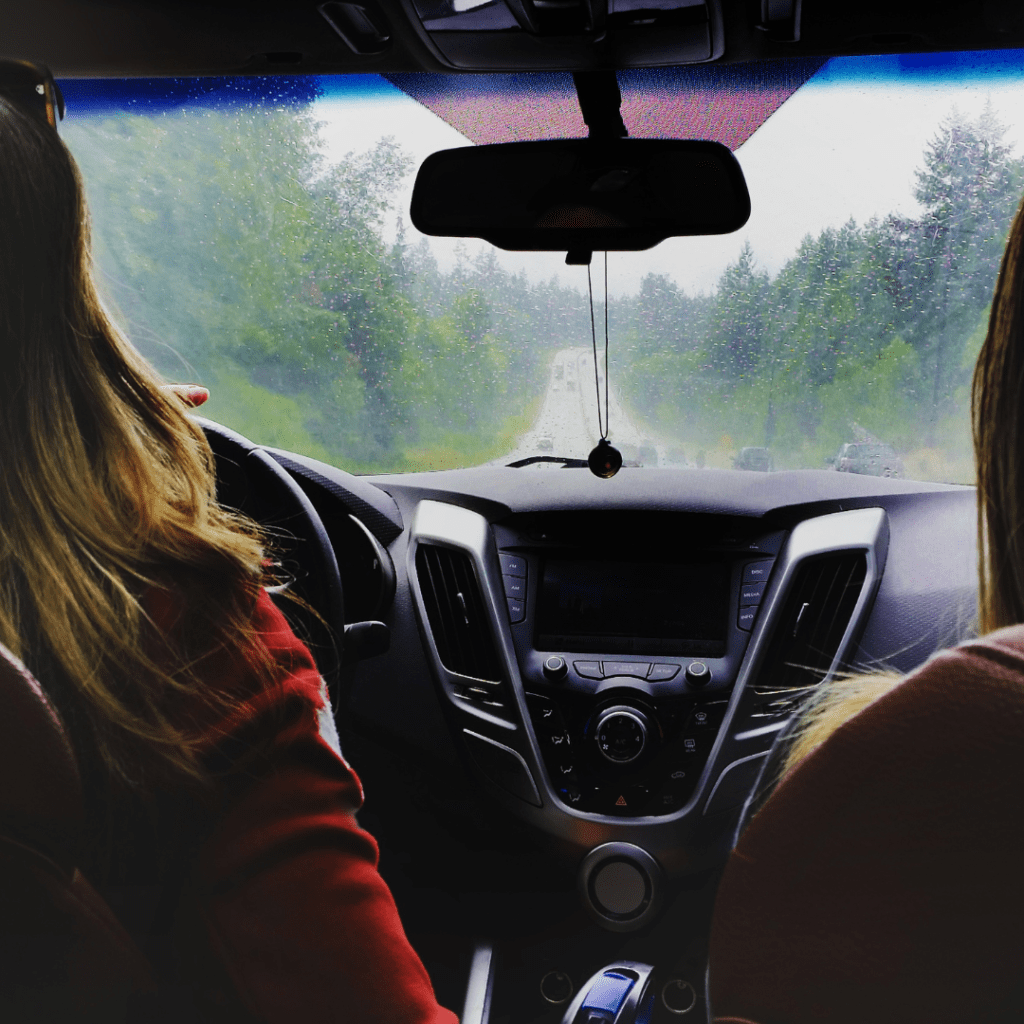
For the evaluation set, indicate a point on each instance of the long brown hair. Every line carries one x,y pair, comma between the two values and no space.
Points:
997,417
106,490
997,409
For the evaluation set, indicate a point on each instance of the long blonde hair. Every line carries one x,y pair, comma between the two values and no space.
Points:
106,490
997,417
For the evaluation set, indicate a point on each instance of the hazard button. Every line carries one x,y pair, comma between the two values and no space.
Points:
628,801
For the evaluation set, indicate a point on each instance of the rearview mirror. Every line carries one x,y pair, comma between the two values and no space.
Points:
581,194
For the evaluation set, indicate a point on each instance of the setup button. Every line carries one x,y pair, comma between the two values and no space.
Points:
588,669
661,673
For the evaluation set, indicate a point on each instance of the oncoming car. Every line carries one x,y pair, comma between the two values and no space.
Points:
759,459
559,690
869,458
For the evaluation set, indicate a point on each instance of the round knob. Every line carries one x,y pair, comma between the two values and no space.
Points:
698,674
621,734
678,996
556,987
555,668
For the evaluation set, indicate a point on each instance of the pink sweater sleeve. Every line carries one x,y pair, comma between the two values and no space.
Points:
295,908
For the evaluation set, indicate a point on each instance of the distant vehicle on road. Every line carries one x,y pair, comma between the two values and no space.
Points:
757,459
545,444
868,458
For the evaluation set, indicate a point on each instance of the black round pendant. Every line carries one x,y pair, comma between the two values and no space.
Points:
605,460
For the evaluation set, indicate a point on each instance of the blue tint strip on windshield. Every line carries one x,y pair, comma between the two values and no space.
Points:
924,68
147,95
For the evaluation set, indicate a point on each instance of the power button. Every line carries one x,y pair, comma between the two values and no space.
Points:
555,668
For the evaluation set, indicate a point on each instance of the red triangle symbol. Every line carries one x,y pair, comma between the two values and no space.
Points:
621,802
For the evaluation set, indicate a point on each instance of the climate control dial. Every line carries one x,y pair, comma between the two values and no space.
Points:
621,734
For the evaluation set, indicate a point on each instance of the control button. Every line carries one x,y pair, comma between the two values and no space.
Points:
570,793
621,735
516,610
620,887
756,572
678,996
589,669
660,673
745,617
515,587
556,987
555,668
543,710
556,738
698,674
512,565
706,717
750,593
627,668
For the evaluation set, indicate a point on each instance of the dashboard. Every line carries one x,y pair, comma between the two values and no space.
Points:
585,678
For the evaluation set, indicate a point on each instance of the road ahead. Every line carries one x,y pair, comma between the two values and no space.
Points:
567,423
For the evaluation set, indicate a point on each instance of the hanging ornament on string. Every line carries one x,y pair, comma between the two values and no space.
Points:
605,460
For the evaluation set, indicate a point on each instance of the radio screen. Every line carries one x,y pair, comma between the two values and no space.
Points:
634,607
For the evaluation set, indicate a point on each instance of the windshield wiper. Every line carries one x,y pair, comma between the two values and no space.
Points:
566,462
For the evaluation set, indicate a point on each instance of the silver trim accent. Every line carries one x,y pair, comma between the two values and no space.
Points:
477,1008
864,529
665,836
640,859
460,528
760,756
508,750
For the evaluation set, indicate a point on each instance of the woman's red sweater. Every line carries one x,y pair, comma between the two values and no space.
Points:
287,883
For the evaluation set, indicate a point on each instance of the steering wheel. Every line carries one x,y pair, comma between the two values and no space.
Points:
249,480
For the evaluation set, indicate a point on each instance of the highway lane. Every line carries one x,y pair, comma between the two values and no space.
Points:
567,422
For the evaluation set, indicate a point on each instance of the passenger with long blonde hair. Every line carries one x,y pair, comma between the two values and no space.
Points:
221,823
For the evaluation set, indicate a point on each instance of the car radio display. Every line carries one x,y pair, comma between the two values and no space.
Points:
636,607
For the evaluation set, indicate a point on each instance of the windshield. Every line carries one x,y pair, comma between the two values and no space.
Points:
253,236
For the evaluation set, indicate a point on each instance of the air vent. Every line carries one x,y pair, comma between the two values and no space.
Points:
813,622
458,622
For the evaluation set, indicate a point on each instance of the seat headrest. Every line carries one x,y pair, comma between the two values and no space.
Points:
40,788
883,879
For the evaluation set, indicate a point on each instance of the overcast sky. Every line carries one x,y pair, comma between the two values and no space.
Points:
845,145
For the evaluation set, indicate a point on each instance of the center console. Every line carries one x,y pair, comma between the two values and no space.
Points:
628,648
615,680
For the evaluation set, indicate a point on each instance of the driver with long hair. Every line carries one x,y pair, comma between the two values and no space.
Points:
221,822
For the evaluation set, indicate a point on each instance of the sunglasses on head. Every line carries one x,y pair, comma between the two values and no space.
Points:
32,88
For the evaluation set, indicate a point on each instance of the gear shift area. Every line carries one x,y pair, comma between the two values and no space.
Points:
620,993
